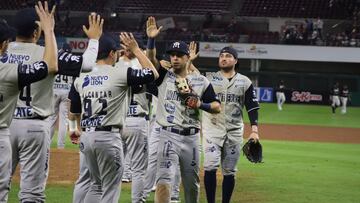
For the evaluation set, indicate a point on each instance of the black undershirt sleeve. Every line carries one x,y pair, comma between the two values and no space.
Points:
28,74
252,105
209,95
137,77
75,105
69,64
162,72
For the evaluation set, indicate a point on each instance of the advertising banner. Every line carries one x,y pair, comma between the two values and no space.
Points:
284,52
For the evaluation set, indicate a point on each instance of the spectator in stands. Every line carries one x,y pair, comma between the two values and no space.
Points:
232,35
319,27
208,21
231,27
309,28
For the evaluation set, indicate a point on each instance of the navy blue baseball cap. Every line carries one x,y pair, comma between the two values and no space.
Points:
229,50
25,22
6,32
179,47
107,43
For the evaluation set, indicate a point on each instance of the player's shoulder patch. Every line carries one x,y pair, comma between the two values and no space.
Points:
4,58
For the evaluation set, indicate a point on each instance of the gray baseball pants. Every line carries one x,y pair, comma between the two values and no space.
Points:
83,182
150,176
61,111
174,149
104,157
30,142
135,136
5,164
215,155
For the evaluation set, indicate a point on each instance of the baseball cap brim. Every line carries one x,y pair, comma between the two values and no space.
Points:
169,51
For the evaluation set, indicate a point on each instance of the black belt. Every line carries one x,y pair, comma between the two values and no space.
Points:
183,131
34,118
140,116
100,128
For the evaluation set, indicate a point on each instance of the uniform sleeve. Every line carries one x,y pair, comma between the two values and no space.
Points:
28,74
90,55
209,95
139,76
151,88
251,102
162,72
75,105
69,64
136,89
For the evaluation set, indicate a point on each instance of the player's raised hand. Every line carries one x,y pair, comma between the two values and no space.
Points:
47,21
95,27
128,41
151,29
165,64
192,51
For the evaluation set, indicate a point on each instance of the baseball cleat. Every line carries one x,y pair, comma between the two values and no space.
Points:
125,180
175,200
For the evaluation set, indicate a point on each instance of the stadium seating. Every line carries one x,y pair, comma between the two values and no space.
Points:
298,8
198,7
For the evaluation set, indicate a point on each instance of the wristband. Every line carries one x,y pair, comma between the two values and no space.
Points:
72,125
150,43
205,106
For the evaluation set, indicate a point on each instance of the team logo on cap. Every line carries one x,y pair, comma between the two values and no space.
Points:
176,45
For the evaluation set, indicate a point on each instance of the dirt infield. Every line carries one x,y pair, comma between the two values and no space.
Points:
308,133
64,164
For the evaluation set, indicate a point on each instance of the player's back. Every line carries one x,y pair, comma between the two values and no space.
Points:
36,99
105,96
9,91
139,105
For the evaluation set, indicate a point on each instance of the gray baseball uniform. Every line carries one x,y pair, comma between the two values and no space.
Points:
105,97
13,78
31,141
179,134
223,132
62,86
135,135
150,175
153,141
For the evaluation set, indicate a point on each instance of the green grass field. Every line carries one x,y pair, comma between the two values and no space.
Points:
296,172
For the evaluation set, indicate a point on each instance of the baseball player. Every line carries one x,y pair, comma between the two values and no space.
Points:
30,129
335,97
280,95
344,98
223,133
13,77
149,184
180,124
61,87
105,94
82,184
135,132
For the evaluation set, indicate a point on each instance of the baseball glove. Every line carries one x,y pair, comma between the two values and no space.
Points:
253,151
188,97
